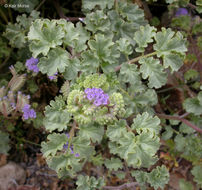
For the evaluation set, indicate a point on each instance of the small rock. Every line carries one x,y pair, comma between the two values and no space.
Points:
11,175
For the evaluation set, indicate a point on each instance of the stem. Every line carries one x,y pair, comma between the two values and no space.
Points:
71,134
30,142
3,16
142,56
124,186
136,59
179,118
42,2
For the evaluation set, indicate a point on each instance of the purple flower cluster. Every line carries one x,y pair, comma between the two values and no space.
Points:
97,95
53,77
31,64
181,12
71,147
27,112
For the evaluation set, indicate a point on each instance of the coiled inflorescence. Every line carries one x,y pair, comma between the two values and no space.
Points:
31,64
97,96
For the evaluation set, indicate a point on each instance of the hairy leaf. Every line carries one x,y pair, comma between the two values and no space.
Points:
57,60
54,144
196,172
92,132
153,70
145,123
144,36
129,73
170,46
158,177
89,183
57,116
113,164
194,105
44,34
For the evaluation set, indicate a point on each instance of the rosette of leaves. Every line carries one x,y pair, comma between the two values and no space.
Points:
85,112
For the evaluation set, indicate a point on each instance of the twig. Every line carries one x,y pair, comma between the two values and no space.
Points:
42,2
185,121
125,185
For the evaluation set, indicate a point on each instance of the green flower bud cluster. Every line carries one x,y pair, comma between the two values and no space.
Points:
85,112
96,81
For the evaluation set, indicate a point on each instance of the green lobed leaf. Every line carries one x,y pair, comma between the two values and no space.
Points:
196,172
89,183
82,146
199,6
90,4
15,35
104,49
71,70
190,147
145,123
194,105
129,73
55,143
146,98
57,116
144,36
124,46
57,60
65,165
121,28
97,21
138,151
153,70
92,132
132,13
158,177
44,35
75,36
184,22
113,164
191,74
171,46
168,133
90,63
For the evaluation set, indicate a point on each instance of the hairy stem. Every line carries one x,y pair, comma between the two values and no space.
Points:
142,56
179,118
136,59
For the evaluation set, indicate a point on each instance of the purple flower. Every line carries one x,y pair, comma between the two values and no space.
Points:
181,12
97,95
31,64
53,77
65,146
27,112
